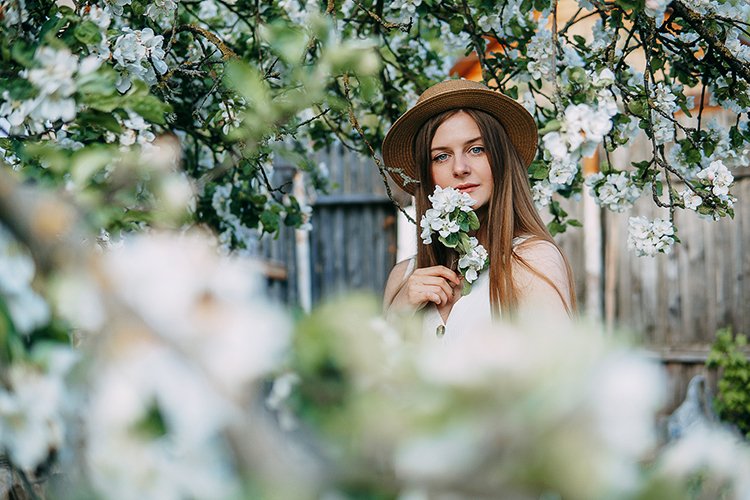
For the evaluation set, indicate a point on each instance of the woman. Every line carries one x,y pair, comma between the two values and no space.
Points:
461,134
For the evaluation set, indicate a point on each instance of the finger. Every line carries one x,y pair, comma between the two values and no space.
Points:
448,286
448,274
438,271
437,281
433,294
444,297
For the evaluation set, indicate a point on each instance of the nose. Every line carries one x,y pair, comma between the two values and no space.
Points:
461,167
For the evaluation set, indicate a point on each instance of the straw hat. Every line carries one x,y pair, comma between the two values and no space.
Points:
398,146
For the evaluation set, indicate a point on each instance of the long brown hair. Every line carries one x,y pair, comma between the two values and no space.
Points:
510,212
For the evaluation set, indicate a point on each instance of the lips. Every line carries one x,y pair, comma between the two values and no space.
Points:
467,187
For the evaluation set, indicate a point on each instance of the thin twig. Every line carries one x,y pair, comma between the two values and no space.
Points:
405,27
226,52
555,44
381,169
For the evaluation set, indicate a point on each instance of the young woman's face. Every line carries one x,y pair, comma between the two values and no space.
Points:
458,158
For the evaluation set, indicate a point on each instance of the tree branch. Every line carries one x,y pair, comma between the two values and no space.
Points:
695,21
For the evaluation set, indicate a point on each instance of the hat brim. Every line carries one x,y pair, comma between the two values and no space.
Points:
398,145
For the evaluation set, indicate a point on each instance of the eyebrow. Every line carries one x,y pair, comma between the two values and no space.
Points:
479,138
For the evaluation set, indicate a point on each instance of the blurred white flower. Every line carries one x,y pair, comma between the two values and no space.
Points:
488,402
14,111
181,360
209,306
28,310
56,84
151,428
277,399
31,420
720,459
136,131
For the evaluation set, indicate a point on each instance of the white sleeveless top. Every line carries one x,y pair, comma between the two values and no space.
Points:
469,313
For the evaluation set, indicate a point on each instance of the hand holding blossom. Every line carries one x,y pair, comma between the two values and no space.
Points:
452,218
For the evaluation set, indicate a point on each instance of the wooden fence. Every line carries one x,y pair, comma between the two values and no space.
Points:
352,245
677,302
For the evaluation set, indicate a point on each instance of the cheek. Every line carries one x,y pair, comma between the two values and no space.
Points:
439,178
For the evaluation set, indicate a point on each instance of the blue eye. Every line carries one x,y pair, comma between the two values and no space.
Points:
477,150
441,157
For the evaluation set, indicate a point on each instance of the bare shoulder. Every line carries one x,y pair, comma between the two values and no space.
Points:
543,270
396,278
542,253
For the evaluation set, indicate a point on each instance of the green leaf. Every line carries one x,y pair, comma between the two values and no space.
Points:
88,33
473,221
23,53
457,24
87,162
105,103
151,108
556,227
49,30
464,245
287,41
451,241
96,117
270,221
539,169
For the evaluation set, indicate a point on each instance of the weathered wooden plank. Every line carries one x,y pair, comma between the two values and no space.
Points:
743,275
352,199
337,249
337,169
673,302
710,282
354,241
368,230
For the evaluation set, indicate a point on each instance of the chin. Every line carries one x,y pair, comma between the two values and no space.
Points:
480,205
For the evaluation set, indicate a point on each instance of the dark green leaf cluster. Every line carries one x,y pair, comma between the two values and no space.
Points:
729,354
